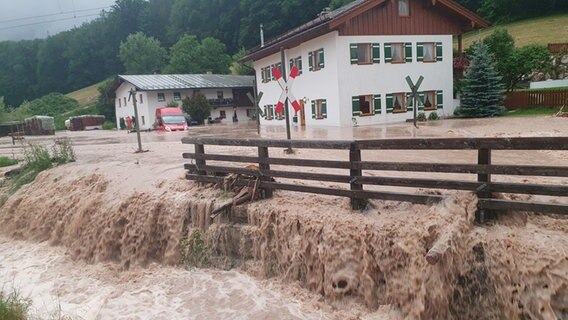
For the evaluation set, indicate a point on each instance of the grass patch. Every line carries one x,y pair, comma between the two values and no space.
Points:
6,162
13,306
541,30
87,95
532,112
38,158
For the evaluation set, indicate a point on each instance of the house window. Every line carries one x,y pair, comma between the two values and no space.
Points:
119,102
141,100
398,52
396,102
177,96
143,121
297,62
161,97
223,114
316,60
319,109
266,74
125,101
220,95
366,105
429,100
365,53
269,112
429,51
403,8
281,115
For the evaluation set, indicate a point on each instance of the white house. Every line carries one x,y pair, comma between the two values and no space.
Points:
227,95
354,62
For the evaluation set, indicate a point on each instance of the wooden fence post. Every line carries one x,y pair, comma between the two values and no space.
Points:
263,154
355,156
483,158
200,163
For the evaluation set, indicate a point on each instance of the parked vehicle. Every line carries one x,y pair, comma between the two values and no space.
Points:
170,119
86,122
39,126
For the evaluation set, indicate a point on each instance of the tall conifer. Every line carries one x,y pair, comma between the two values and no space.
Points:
482,94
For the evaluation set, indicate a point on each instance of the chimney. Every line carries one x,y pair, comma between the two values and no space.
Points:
261,36
324,12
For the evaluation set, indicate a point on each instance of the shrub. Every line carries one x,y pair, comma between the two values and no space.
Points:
37,158
433,116
63,151
6,162
172,104
109,125
421,116
52,105
193,251
13,306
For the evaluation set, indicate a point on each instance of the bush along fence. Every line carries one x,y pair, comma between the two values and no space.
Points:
483,186
536,98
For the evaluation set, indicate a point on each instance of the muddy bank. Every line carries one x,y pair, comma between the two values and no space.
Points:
359,262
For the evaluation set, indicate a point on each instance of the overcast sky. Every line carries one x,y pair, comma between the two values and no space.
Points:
30,19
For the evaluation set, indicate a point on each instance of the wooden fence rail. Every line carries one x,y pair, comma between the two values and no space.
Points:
536,98
484,187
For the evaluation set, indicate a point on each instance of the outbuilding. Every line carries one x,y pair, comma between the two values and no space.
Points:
227,95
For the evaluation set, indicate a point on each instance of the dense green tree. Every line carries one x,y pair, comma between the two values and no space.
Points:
52,65
184,55
335,4
482,92
105,104
514,64
154,20
141,54
197,107
239,68
524,61
188,55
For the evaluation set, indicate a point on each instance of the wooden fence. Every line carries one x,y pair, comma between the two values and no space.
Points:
484,187
536,98
558,47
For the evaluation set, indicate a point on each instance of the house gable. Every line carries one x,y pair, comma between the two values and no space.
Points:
378,17
426,18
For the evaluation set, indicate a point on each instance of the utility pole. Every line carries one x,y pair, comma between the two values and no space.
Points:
133,96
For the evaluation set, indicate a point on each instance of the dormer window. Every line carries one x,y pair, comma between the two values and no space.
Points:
403,8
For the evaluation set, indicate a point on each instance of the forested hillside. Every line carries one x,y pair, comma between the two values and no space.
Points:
88,54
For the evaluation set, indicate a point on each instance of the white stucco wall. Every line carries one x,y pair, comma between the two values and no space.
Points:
147,107
321,84
339,81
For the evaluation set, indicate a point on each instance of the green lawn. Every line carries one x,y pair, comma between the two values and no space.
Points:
542,30
87,95
532,112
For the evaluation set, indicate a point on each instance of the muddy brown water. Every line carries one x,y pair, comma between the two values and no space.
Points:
117,219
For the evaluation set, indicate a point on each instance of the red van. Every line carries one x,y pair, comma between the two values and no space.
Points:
170,119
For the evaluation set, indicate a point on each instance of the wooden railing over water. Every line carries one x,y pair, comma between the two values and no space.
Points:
484,187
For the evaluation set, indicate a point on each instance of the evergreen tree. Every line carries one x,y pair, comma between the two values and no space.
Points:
482,94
